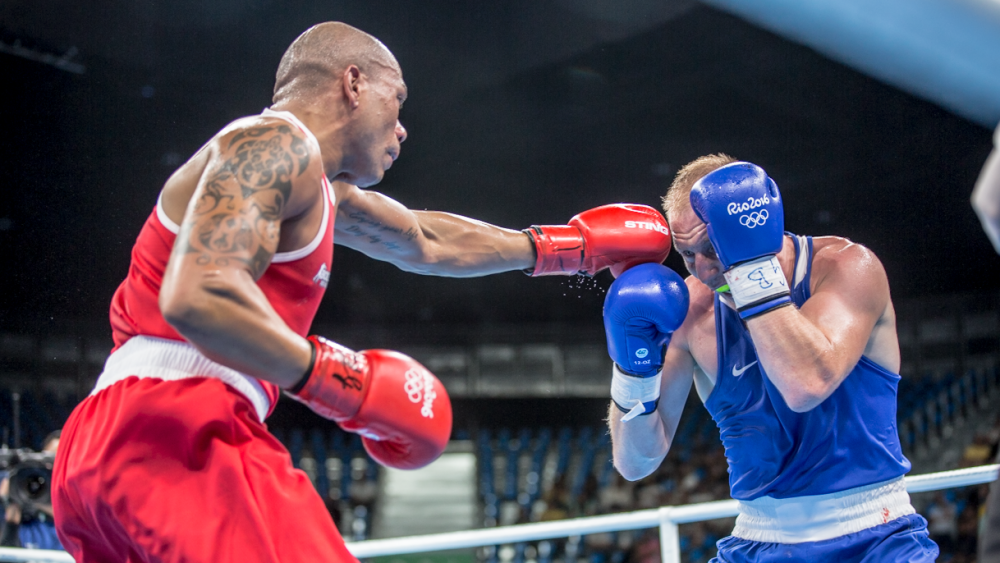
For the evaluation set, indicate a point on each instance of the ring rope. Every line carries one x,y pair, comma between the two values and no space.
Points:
564,528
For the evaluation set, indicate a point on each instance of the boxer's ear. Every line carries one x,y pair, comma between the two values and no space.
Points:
351,84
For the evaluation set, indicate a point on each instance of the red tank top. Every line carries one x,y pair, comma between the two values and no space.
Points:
294,283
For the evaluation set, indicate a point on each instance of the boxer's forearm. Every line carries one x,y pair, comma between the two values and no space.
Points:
808,351
457,246
798,358
639,445
228,318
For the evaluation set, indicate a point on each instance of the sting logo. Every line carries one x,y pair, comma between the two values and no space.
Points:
648,226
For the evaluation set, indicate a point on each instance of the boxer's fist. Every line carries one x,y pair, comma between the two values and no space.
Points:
405,420
742,207
401,410
643,308
616,236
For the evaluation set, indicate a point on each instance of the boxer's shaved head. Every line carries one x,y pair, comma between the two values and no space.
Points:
319,56
678,196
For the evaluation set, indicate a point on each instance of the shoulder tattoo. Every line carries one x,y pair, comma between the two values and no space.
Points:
237,214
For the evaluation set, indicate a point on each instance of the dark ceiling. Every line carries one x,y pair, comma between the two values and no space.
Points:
519,113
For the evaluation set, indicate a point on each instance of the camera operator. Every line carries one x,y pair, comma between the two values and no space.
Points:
28,518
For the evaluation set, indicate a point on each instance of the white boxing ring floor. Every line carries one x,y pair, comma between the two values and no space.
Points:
666,518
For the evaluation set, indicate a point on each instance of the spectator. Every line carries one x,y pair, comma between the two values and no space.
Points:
12,515
33,526
986,203
978,452
646,549
617,496
989,528
362,491
989,537
589,501
555,509
556,500
648,495
968,524
942,522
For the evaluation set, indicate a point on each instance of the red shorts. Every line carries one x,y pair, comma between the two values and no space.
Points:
152,470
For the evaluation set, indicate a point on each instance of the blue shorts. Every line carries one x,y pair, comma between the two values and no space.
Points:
905,539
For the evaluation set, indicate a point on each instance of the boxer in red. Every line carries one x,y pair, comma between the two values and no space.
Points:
169,459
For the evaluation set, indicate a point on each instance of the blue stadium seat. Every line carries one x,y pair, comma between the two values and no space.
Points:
318,446
295,445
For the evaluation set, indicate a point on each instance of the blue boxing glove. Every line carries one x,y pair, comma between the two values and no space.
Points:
643,308
742,207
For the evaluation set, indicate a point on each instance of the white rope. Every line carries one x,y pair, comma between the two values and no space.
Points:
38,555
626,521
565,528
950,479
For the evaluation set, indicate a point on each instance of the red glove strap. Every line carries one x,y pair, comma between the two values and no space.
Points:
337,383
559,249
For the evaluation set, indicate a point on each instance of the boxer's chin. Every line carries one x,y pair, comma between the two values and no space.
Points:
367,180
715,283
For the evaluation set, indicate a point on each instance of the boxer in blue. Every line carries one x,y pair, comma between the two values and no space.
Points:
790,341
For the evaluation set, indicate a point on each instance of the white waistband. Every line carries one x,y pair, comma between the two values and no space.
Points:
171,360
822,517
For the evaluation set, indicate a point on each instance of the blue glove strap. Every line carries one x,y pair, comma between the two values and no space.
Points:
648,408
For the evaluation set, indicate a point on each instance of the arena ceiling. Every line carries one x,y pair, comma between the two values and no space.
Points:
520,113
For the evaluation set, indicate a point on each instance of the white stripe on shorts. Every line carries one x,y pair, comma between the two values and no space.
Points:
822,517
172,360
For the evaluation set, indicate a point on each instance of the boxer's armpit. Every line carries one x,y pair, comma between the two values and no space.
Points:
236,214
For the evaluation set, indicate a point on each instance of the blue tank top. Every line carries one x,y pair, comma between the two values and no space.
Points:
848,441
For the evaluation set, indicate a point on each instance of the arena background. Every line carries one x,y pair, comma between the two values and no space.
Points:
519,113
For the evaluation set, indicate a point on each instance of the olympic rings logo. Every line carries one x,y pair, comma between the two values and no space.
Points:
414,385
752,220
420,387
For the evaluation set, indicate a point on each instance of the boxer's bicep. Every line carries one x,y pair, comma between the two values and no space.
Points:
376,225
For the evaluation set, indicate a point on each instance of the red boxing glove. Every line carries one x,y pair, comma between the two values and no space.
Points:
401,410
618,236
